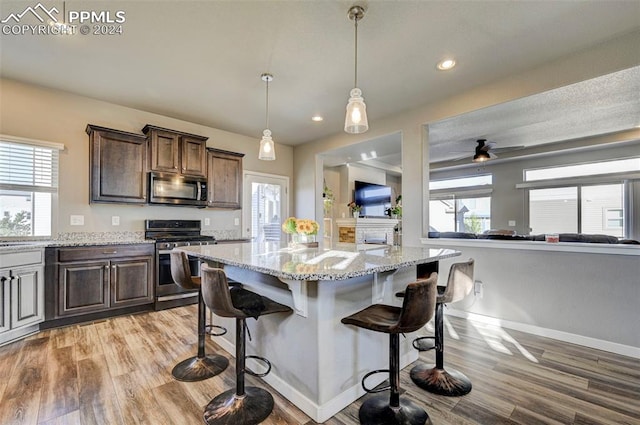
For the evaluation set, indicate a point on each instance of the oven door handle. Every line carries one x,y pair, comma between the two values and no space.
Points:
163,252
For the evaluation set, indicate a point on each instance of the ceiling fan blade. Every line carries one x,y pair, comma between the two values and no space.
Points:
507,149
488,146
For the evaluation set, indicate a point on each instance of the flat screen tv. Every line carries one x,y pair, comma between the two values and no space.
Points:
375,199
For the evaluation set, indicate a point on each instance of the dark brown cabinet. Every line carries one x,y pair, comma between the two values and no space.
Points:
94,279
224,182
118,166
172,151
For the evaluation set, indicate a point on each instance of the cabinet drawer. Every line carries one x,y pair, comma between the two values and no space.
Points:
103,252
22,258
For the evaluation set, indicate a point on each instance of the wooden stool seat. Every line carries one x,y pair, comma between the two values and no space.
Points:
417,309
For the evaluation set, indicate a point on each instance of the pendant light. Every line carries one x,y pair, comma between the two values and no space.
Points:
267,147
356,119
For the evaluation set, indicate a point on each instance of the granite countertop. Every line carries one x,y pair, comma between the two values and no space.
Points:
340,261
10,246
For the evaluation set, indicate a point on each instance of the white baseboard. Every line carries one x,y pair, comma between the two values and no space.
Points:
612,347
323,412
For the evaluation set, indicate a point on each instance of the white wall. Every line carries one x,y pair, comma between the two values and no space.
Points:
589,298
38,113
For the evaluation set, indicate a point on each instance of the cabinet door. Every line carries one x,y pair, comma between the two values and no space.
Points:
5,306
165,151
224,179
27,296
118,166
131,282
194,156
83,287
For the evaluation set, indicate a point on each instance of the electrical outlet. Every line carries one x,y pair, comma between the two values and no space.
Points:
236,221
478,289
207,221
115,220
512,223
76,220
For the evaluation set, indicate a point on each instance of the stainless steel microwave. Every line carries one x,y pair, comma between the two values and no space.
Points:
174,189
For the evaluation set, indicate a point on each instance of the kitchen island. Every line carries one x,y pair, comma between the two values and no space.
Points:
317,361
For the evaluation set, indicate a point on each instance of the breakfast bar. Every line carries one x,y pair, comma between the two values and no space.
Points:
317,361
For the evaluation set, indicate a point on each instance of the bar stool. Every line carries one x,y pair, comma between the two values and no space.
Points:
201,366
242,405
436,379
417,309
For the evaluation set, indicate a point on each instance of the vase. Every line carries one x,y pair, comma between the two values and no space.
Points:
356,214
301,239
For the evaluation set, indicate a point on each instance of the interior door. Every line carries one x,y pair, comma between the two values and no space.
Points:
268,196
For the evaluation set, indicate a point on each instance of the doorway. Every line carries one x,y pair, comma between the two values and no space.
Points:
268,198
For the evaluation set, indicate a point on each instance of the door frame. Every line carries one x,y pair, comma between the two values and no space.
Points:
250,176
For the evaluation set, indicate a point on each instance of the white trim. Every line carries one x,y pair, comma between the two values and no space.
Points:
587,248
33,142
593,179
599,344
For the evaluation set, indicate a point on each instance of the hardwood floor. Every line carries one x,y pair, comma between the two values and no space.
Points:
118,371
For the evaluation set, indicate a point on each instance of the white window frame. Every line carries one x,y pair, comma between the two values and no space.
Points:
626,178
53,189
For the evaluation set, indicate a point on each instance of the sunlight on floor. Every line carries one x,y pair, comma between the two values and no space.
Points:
494,336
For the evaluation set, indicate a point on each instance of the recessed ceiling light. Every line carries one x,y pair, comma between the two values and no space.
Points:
317,118
446,64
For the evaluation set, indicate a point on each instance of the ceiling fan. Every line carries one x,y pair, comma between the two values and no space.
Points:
485,151
482,151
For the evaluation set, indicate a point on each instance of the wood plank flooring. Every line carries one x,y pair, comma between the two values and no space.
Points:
118,371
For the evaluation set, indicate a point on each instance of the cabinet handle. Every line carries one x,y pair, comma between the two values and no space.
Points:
109,252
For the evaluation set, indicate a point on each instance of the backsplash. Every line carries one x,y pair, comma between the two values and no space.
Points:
100,236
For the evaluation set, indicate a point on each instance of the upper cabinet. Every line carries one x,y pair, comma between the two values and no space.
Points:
225,179
172,151
118,166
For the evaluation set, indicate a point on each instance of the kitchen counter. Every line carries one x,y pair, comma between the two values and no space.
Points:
317,361
339,262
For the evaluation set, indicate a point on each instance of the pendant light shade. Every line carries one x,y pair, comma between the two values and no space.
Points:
267,147
356,119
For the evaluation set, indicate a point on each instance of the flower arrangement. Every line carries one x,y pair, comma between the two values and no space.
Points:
301,226
397,209
354,207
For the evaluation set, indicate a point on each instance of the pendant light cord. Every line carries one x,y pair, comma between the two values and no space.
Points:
355,77
267,107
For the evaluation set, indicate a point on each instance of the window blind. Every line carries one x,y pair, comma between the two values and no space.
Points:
27,166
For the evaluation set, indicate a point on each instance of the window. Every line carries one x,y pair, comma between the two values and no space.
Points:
553,210
28,184
613,218
587,169
582,198
460,204
472,215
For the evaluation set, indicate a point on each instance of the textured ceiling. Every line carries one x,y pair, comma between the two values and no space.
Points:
201,61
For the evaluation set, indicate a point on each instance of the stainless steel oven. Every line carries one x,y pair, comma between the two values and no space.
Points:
174,189
169,234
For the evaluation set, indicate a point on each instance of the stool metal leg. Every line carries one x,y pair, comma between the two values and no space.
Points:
436,379
244,405
395,410
201,366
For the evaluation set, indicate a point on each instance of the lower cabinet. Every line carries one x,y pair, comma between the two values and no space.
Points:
99,278
21,293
